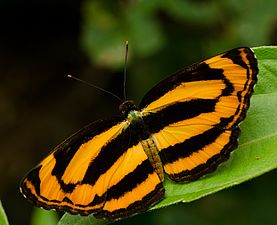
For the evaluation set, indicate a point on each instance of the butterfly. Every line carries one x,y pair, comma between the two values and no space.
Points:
184,127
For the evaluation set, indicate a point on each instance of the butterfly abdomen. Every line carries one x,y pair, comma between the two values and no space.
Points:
151,151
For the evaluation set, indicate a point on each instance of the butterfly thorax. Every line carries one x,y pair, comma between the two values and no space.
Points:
138,128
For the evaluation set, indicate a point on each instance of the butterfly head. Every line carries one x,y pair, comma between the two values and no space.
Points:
127,106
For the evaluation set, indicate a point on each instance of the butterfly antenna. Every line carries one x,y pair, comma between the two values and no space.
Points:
92,85
125,70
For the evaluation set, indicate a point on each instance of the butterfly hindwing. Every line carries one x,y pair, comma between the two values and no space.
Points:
137,187
193,115
191,151
96,171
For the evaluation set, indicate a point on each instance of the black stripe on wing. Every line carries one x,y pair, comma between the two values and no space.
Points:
178,112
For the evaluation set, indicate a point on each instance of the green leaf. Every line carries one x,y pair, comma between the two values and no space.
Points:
255,155
3,217
42,217
68,219
267,63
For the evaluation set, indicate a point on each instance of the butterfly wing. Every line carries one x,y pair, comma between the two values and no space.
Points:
193,115
101,169
134,187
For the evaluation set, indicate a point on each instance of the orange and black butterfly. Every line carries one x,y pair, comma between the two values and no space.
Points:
184,127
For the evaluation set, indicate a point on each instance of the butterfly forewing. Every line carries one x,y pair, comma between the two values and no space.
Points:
61,180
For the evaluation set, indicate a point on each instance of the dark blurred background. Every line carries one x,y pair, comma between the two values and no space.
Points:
44,40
